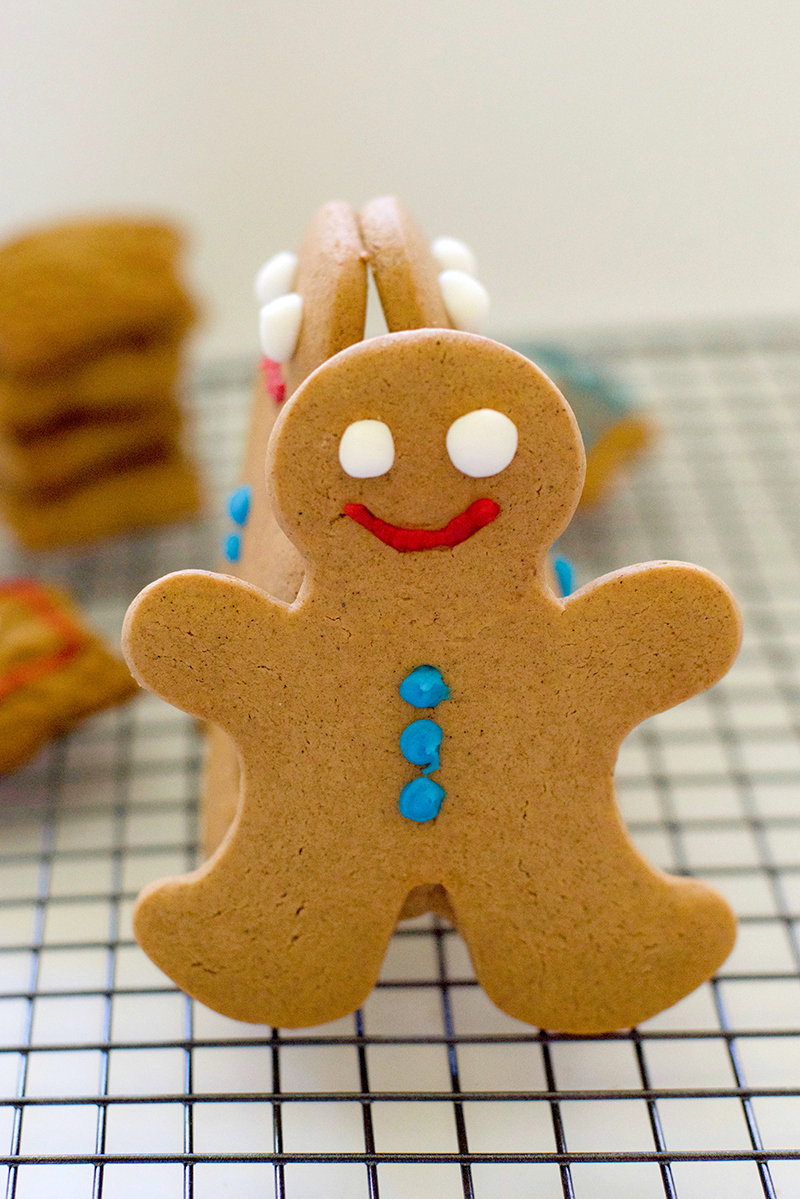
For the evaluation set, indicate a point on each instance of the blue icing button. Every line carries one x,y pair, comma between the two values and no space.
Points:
421,799
565,573
424,687
419,743
231,547
239,505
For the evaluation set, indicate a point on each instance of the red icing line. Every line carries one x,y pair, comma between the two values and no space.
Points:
475,517
273,379
73,636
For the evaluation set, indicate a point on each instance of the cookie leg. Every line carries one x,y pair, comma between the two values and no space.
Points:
606,963
272,933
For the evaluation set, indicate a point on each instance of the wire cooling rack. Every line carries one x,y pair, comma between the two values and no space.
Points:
117,1086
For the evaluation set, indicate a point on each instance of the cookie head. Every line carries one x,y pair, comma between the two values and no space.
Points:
423,443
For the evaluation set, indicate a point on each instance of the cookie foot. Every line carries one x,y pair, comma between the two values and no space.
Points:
594,971
270,956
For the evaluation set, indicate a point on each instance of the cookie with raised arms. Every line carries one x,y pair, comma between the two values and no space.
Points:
426,718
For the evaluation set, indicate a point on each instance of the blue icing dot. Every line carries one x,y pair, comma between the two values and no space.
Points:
424,687
565,573
239,504
231,547
421,799
419,743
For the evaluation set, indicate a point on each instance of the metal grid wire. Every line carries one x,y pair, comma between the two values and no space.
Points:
118,1086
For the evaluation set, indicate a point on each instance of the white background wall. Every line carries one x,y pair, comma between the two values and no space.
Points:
609,161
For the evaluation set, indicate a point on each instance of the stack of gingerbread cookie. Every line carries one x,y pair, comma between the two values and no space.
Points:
92,318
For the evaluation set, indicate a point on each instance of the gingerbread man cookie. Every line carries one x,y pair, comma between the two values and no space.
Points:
427,713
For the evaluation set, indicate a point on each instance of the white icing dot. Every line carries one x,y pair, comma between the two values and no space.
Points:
279,326
275,277
452,254
482,443
366,449
466,300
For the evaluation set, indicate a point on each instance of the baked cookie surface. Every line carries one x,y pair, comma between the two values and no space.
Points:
70,290
53,670
92,318
426,602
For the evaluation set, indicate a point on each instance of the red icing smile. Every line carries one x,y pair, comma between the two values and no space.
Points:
475,517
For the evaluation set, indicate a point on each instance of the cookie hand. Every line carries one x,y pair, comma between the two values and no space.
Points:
204,642
650,637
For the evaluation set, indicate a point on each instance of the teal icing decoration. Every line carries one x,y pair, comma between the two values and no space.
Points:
424,687
421,799
419,744
239,505
232,547
238,510
565,573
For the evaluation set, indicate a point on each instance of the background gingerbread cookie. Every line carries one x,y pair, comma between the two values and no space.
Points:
428,713
54,670
326,289
406,274
93,315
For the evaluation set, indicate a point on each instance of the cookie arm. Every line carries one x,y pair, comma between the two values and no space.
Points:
203,642
649,637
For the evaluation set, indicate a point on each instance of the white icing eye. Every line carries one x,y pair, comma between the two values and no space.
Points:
454,255
466,300
279,326
482,443
366,449
275,277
